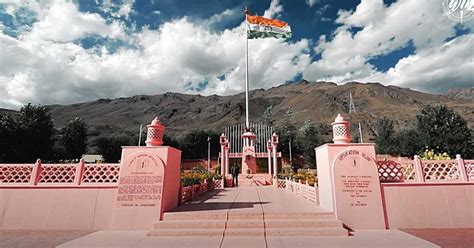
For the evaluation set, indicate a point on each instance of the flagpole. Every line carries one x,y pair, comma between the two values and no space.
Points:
246,71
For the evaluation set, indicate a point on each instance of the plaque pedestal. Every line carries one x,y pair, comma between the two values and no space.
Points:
148,186
349,185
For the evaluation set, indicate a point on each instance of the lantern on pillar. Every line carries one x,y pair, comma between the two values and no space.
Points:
224,146
154,135
340,130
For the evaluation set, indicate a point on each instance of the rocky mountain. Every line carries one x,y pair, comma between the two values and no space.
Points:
319,101
461,94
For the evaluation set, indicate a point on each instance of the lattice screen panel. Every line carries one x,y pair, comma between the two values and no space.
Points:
440,170
58,173
100,173
390,171
15,173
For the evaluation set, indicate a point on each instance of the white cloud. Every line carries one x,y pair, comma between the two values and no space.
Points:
125,10
440,68
63,22
178,57
225,15
383,29
274,10
45,65
311,3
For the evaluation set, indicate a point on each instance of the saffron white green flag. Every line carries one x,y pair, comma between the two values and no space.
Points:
261,27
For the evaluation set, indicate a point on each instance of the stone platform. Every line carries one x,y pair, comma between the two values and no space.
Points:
251,212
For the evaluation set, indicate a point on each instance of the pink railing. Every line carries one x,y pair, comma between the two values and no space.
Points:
304,190
417,170
59,175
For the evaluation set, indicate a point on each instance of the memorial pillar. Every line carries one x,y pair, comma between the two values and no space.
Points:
149,182
348,180
227,160
223,142
274,150
249,161
269,150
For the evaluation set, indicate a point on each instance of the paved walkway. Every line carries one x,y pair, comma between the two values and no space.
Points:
266,200
250,200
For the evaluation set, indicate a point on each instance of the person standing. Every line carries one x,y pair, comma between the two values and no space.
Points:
234,170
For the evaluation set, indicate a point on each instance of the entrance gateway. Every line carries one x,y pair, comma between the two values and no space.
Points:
247,147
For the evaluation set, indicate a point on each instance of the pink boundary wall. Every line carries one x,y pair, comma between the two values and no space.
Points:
56,208
428,205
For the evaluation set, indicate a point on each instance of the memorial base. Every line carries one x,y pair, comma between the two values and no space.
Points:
148,186
349,184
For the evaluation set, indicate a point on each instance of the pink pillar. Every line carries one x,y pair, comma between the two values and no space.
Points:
35,173
79,171
227,160
419,177
462,169
348,180
149,182
223,142
269,149
274,149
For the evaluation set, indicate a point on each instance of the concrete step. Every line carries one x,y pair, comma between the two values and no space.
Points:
186,232
244,232
190,224
242,215
245,224
326,231
195,216
301,223
293,216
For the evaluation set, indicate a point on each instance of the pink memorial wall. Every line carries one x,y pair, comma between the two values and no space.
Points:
149,185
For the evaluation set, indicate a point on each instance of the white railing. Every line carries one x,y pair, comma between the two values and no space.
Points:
304,190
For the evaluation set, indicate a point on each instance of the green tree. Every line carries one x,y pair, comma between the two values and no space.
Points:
35,134
385,142
267,118
73,139
442,130
308,139
287,133
408,142
194,144
111,147
9,130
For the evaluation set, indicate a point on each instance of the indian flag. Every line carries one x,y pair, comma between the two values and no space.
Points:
261,27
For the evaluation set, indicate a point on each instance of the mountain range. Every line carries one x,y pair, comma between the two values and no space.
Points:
319,101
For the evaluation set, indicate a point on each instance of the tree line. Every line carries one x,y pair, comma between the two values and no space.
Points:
30,134
436,128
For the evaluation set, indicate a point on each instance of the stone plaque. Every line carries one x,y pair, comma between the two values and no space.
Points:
141,181
357,190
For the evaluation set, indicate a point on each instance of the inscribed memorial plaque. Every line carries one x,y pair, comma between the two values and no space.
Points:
357,189
141,181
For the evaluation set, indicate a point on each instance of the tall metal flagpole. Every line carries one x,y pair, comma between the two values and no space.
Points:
246,71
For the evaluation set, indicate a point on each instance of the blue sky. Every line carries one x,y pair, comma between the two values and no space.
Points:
65,52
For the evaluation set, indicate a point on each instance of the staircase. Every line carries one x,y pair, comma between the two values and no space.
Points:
241,224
